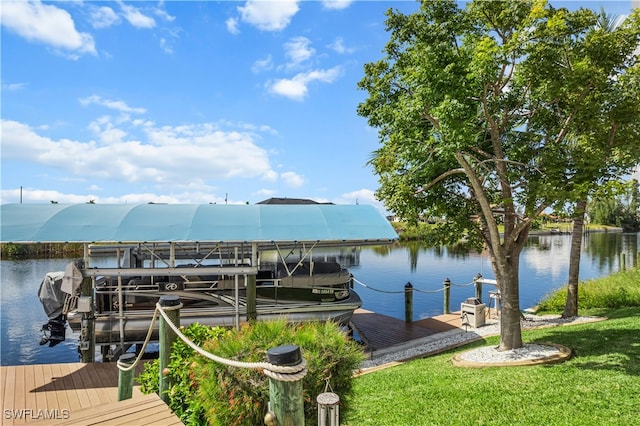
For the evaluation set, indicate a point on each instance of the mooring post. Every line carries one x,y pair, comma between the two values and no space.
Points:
447,295
477,282
125,378
285,395
623,261
408,302
87,333
251,298
171,305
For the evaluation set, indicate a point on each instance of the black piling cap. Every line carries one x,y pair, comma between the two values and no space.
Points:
284,355
169,300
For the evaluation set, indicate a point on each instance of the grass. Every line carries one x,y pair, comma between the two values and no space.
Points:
617,290
599,386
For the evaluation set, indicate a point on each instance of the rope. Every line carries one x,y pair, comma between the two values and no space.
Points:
375,289
429,291
463,285
122,366
278,372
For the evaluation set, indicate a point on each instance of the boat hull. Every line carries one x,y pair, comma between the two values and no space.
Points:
136,323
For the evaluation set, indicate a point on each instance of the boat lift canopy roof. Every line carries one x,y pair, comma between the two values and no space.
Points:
322,224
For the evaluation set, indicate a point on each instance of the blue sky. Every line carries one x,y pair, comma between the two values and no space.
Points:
191,102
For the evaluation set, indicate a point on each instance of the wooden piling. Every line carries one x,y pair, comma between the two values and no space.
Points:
87,338
172,307
477,282
408,302
447,296
125,378
286,398
251,298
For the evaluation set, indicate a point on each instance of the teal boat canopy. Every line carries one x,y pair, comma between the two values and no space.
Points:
115,223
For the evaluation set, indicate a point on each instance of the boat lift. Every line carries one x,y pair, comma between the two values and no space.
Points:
154,239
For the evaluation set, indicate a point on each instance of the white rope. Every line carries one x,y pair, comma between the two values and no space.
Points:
375,289
123,366
463,285
266,366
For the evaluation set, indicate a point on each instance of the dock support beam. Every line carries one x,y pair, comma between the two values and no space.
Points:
172,306
285,395
251,298
477,282
408,302
447,295
125,378
88,329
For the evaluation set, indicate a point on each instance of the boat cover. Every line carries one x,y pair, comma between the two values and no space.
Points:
51,295
87,223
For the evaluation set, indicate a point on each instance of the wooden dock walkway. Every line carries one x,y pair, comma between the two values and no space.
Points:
380,332
75,394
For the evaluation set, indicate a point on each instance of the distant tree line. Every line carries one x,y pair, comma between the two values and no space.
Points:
618,205
40,250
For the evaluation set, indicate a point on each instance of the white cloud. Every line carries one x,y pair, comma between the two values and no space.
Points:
165,46
13,86
336,4
232,25
116,105
268,15
262,65
103,17
136,18
45,23
164,15
292,179
339,47
169,156
298,50
296,87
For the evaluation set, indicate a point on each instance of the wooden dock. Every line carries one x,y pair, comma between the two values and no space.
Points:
75,394
379,332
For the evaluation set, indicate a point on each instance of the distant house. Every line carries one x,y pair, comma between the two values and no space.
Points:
289,201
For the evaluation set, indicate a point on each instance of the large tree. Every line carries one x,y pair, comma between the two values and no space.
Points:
606,138
476,109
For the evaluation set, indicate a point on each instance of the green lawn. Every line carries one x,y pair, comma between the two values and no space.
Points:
600,385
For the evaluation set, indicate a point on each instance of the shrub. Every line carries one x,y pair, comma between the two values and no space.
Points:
183,398
234,396
207,392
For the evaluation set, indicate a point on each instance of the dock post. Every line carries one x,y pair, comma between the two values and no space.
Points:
447,295
125,378
477,282
251,298
408,302
172,306
285,395
87,337
623,261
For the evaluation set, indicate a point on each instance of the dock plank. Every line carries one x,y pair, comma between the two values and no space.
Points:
61,394
379,331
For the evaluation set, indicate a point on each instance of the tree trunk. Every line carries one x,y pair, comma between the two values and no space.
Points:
571,304
507,275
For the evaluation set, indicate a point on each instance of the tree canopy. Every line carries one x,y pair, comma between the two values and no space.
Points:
490,114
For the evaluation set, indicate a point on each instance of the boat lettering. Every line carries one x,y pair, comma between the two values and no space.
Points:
322,291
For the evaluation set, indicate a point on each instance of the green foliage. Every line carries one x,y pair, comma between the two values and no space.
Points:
613,292
183,393
617,204
234,396
206,392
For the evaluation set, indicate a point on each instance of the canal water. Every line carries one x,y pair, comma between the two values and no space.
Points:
380,272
